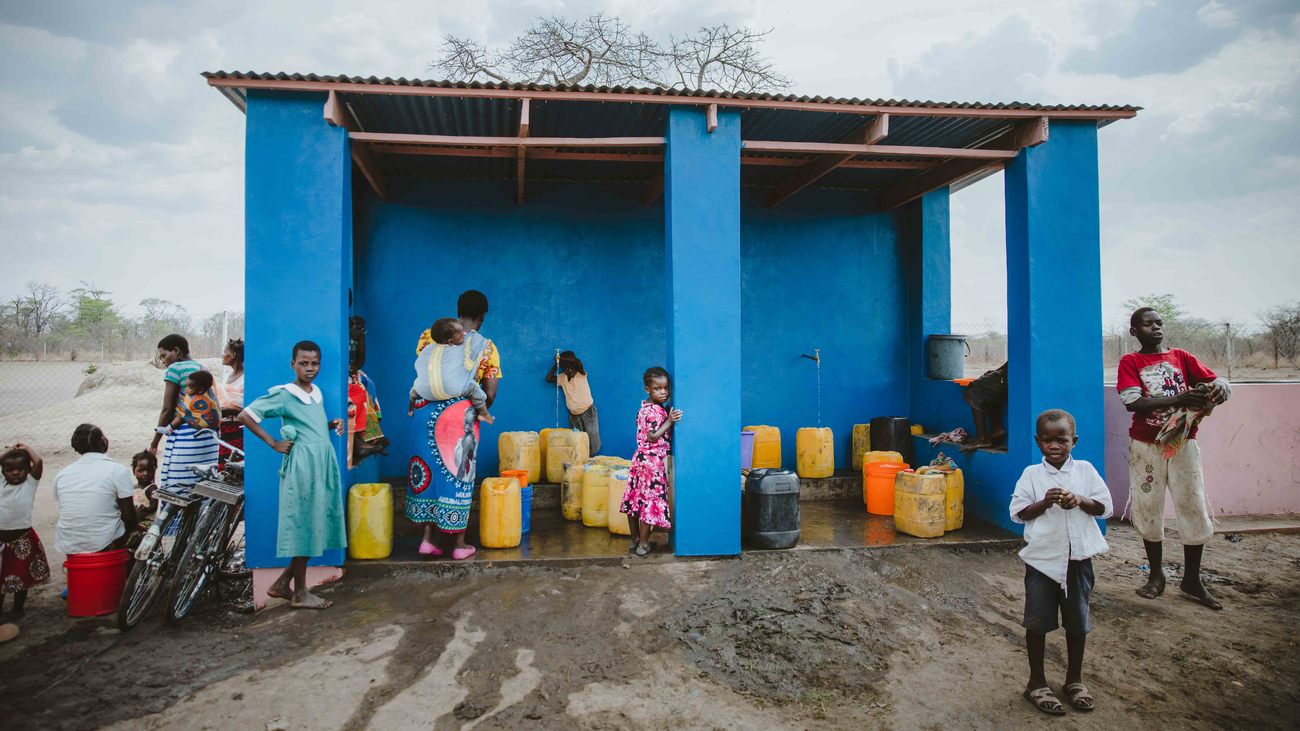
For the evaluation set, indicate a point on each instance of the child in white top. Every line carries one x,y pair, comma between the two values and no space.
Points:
1058,501
22,557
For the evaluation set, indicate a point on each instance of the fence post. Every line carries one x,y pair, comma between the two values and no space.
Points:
1227,334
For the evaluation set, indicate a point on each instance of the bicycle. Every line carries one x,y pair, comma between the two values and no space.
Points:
216,544
162,547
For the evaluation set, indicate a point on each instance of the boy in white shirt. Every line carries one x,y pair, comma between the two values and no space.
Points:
1058,500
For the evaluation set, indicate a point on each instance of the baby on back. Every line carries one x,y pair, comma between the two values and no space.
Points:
453,367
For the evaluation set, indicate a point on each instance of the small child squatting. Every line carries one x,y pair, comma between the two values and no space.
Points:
1058,500
452,373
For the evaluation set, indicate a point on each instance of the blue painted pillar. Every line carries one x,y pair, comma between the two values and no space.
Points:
297,273
702,231
930,286
927,261
1054,289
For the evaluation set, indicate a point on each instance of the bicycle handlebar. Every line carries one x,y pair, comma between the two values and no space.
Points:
225,444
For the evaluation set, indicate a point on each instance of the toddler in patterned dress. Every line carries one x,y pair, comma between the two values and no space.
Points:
645,501
22,558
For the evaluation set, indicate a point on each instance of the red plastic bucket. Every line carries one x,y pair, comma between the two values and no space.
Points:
95,582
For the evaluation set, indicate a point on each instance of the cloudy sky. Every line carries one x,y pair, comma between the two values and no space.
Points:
115,156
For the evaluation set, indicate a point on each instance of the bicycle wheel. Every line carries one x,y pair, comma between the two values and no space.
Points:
147,577
197,563
234,564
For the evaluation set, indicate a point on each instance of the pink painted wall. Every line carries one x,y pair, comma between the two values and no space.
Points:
1250,449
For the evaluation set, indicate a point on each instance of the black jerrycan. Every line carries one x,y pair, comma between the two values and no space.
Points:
769,509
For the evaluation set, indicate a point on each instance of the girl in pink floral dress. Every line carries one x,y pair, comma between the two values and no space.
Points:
646,499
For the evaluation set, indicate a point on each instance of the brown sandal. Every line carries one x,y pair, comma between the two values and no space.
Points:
1080,698
1045,700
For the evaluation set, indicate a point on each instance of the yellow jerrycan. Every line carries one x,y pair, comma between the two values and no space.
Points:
919,503
767,447
861,444
815,452
954,510
571,492
618,522
500,514
541,443
520,450
869,457
370,520
595,495
565,446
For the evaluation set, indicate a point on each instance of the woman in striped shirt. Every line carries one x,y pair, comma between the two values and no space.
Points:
185,445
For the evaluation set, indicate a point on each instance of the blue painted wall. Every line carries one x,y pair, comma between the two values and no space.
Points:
298,268
1054,314
702,244
1054,287
577,267
821,271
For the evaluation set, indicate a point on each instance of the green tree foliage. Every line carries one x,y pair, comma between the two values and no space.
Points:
1166,304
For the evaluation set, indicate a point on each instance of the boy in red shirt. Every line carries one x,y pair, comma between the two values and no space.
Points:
1153,383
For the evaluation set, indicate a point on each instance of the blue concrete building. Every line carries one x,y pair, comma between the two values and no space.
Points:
721,236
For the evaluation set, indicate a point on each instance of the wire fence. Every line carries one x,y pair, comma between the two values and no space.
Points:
1228,349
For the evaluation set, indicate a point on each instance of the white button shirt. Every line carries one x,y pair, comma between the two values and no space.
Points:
1059,536
87,491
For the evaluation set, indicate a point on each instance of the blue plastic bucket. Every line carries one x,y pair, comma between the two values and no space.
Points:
526,509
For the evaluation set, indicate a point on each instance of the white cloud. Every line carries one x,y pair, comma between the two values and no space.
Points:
114,155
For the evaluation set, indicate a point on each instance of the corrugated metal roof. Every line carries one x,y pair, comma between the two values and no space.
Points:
693,93
572,115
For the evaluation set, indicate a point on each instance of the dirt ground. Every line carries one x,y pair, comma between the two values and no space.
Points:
908,637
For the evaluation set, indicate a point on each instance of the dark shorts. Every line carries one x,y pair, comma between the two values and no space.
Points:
989,391
1045,600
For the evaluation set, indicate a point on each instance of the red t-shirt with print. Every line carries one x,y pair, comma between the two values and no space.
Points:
1159,374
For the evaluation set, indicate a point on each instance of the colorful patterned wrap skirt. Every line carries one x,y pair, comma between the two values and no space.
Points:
444,451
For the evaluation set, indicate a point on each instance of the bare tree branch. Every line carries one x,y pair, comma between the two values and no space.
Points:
602,50
464,60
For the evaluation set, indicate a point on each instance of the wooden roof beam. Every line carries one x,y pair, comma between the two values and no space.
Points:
471,141
1025,134
826,148
336,115
636,157
868,134
351,87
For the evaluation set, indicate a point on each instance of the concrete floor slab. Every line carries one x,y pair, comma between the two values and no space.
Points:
554,541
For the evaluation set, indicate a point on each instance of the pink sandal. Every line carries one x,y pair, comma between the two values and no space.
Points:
428,549
460,554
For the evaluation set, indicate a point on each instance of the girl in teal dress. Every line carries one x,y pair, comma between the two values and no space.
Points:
311,492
